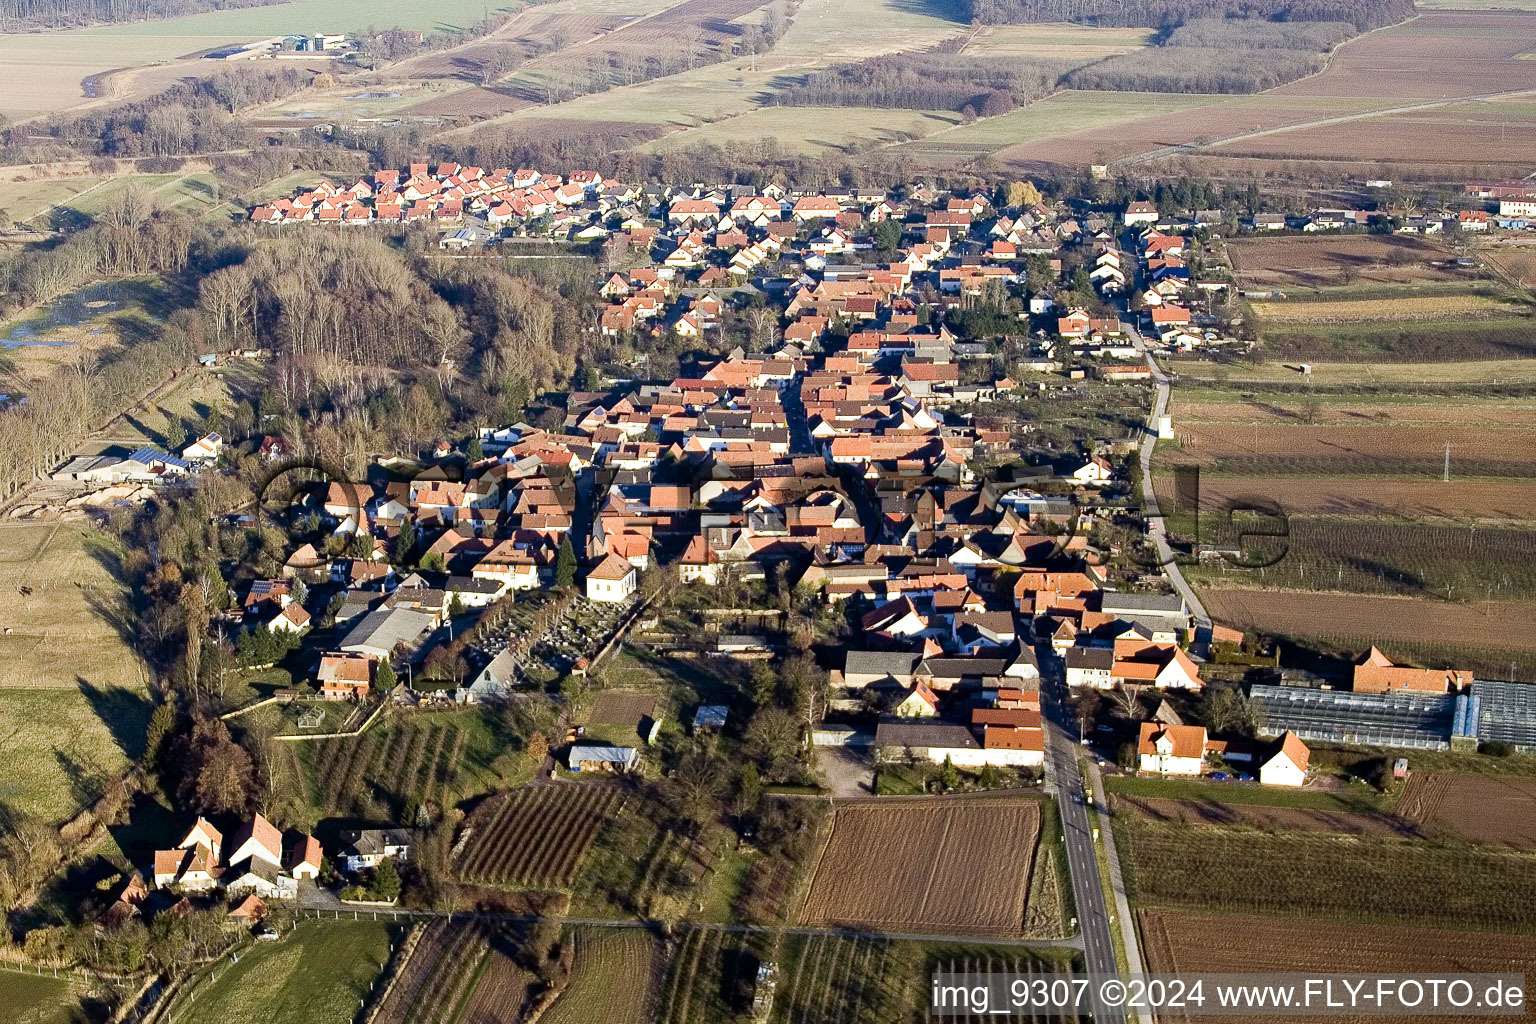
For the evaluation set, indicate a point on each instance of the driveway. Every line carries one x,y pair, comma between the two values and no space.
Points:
847,771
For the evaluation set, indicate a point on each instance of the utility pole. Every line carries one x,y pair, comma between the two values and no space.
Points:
1445,476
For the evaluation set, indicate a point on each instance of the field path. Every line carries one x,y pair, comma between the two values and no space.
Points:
1184,148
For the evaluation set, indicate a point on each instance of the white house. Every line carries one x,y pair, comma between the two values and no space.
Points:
204,449
1090,666
1139,212
367,847
304,859
1094,471
258,839
292,619
1287,763
1171,749
612,580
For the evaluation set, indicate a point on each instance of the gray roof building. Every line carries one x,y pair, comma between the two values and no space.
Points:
1143,606
383,629
920,736
1506,713
1401,718
865,668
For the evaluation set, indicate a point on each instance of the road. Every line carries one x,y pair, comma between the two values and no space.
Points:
1065,779
1155,527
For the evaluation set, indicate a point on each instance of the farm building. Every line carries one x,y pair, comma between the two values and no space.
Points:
1158,612
1376,673
384,629
1505,713
832,734
930,741
1286,764
1398,719
879,668
493,681
92,469
593,757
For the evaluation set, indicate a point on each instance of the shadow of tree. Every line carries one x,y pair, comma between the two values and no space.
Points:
86,778
124,712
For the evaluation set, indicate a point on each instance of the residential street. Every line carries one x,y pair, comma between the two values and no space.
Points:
1155,527
1065,779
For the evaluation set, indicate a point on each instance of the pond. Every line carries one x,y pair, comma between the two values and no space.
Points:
71,310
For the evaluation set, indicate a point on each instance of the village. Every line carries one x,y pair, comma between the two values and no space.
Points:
866,457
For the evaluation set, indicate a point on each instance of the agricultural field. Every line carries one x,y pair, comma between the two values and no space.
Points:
951,865
1394,499
1484,132
24,200
1301,261
1021,135
537,836
73,697
616,976
1442,562
1364,375
1360,449
1517,266
820,32
43,72
534,29
499,986
1056,42
1492,636
878,981
1186,943
1438,55
1304,406
437,974
1183,120
699,27
1497,332
1473,808
319,972
811,131
1335,877
621,717
38,1000
1358,108
1257,816
428,760
710,976
1405,307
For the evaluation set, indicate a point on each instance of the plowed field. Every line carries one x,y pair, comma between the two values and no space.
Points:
1258,816
1191,943
1365,496
945,865
1477,808
1504,625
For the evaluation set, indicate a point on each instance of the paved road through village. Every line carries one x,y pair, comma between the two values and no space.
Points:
1066,779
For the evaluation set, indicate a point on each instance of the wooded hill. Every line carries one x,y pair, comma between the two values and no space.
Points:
1363,14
